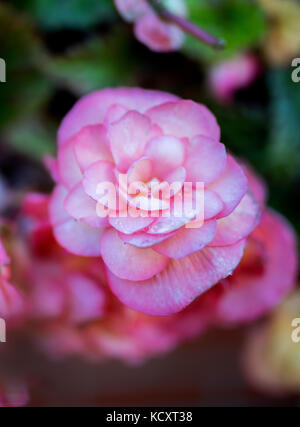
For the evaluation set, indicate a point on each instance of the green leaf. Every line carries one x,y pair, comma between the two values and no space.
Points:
240,22
75,14
97,64
26,89
284,146
34,136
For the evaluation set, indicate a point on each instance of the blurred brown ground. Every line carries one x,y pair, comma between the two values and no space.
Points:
206,372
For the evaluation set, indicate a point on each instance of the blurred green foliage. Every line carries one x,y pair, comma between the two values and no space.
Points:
240,22
74,14
96,64
284,148
26,88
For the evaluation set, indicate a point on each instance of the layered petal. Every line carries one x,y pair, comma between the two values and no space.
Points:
180,283
98,179
81,206
128,138
91,109
129,262
68,168
129,225
231,186
187,241
75,236
185,119
143,239
205,161
91,146
167,153
239,224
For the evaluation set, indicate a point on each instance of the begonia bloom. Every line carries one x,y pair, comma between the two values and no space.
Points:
154,264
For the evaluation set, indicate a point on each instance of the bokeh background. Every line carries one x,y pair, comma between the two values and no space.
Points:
59,50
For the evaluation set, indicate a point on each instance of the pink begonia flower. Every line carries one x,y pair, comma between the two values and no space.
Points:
11,301
151,30
156,265
237,73
265,274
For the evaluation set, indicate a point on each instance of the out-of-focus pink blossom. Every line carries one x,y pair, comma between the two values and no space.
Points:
13,393
266,273
11,301
61,287
155,265
149,28
234,74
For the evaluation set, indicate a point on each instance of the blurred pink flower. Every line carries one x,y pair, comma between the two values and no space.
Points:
155,265
61,286
149,29
13,393
11,301
237,73
266,273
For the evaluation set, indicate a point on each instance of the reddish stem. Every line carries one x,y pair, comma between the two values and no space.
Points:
188,27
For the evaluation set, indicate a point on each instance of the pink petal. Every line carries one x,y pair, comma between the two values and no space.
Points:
11,301
81,206
86,299
114,113
128,138
185,119
128,262
256,185
166,152
178,284
130,225
227,77
97,174
78,204
91,146
187,241
230,186
75,236
78,238
177,176
238,224
178,214
3,255
52,167
57,212
91,109
131,10
96,222
212,204
142,239
68,168
157,34
141,170
206,160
